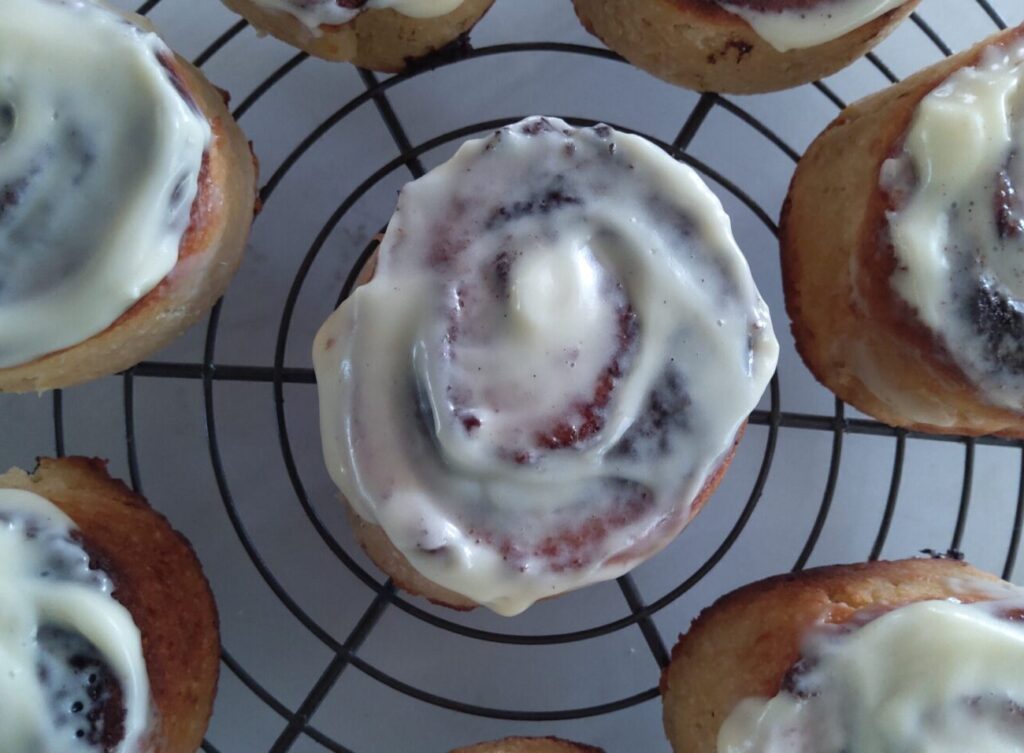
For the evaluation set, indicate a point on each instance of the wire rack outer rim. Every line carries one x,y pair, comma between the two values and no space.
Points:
297,722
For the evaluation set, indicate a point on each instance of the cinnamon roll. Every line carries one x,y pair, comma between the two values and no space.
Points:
109,640
903,248
529,745
742,46
381,35
548,372
885,657
126,193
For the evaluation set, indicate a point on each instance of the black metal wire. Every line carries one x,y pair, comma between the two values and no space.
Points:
965,497
830,488
58,423
890,502
219,43
991,13
330,675
882,67
129,432
269,82
647,627
694,121
345,654
1018,523
147,6
930,33
832,96
395,127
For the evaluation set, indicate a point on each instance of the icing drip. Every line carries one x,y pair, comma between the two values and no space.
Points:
100,156
958,226
68,651
932,677
802,27
316,13
558,347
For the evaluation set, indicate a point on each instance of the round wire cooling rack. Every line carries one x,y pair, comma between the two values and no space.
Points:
302,721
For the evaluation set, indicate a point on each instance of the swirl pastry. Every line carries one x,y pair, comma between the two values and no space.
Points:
887,657
546,375
126,193
903,248
382,35
529,745
109,640
742,46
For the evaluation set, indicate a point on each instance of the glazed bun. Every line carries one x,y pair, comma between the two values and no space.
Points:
745,644
891,307
489,457
379,39
156,578
114,207
709,46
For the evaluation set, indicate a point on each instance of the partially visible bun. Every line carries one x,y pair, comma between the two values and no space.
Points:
699,45
855,333
529,745
380,40
209,253
745,643
156,577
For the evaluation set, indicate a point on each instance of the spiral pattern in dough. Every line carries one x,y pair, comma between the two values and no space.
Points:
557,351
101,152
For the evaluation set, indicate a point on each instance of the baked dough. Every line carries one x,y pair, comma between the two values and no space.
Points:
396,566
209,253
859,338
699,45
157,578
745,643
378,39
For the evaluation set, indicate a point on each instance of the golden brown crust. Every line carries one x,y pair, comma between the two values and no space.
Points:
696,44
860,340
158,580
208,256
745,643
395,565
529,745
380,40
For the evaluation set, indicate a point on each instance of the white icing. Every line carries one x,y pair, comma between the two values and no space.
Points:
99,165
509,281
792,29
316,13
932,677
945,233
46,581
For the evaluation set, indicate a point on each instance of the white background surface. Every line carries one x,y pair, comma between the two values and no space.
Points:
170,419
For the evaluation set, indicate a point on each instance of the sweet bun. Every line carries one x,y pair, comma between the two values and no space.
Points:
701,45
447,463
745,644
208,254
156,577
377,39
858,334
